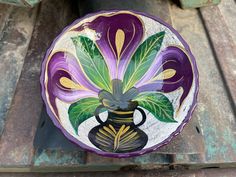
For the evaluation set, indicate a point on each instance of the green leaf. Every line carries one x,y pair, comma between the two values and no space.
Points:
82,110
142,60
158,104
92,62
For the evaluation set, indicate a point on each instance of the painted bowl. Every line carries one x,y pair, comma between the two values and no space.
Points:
119,83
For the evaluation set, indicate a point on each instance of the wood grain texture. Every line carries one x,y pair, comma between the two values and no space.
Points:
198,3
16,26
5,11
230,172
223,46
228,12
23,3
213,111
57,150
154,7
16,148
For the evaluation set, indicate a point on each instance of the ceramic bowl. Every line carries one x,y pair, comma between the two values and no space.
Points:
119,83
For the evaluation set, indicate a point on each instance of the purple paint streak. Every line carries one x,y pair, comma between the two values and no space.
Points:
63,64
170,58
106,28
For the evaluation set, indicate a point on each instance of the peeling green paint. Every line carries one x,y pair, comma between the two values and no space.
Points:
197,3
220,142
57,157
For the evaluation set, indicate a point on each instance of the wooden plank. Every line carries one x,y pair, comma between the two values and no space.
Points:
214,111
23,3
154,7
184,143
16,26
223,47
57,150
197,3
5,11
230,172
16,145
228,12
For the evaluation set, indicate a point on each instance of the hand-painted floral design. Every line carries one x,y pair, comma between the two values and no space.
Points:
119,71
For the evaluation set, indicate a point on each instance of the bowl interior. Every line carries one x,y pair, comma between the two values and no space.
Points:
119,83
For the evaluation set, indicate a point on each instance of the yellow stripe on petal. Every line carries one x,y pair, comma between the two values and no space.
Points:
67,83
119,41
166,74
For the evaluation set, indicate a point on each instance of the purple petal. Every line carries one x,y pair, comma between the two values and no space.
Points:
67,62
107,29
64,65
170,58
66,94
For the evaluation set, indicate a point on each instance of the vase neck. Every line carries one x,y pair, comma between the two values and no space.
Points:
121,117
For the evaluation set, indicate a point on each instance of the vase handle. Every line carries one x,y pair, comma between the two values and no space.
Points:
143,117
96,114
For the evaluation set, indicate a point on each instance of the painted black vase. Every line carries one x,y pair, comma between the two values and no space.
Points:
118,133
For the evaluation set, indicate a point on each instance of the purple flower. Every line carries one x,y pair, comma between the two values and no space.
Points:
119,35
170,70
118,53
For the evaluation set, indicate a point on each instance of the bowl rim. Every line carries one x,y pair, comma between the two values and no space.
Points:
135,153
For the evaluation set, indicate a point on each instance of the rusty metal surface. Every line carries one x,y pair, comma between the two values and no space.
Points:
16,148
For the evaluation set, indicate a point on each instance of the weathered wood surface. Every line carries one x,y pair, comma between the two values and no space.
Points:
198,3
223,46
214,110
207,141
57,150
228,12
16,149
23,3
16,26
154,7
230,172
